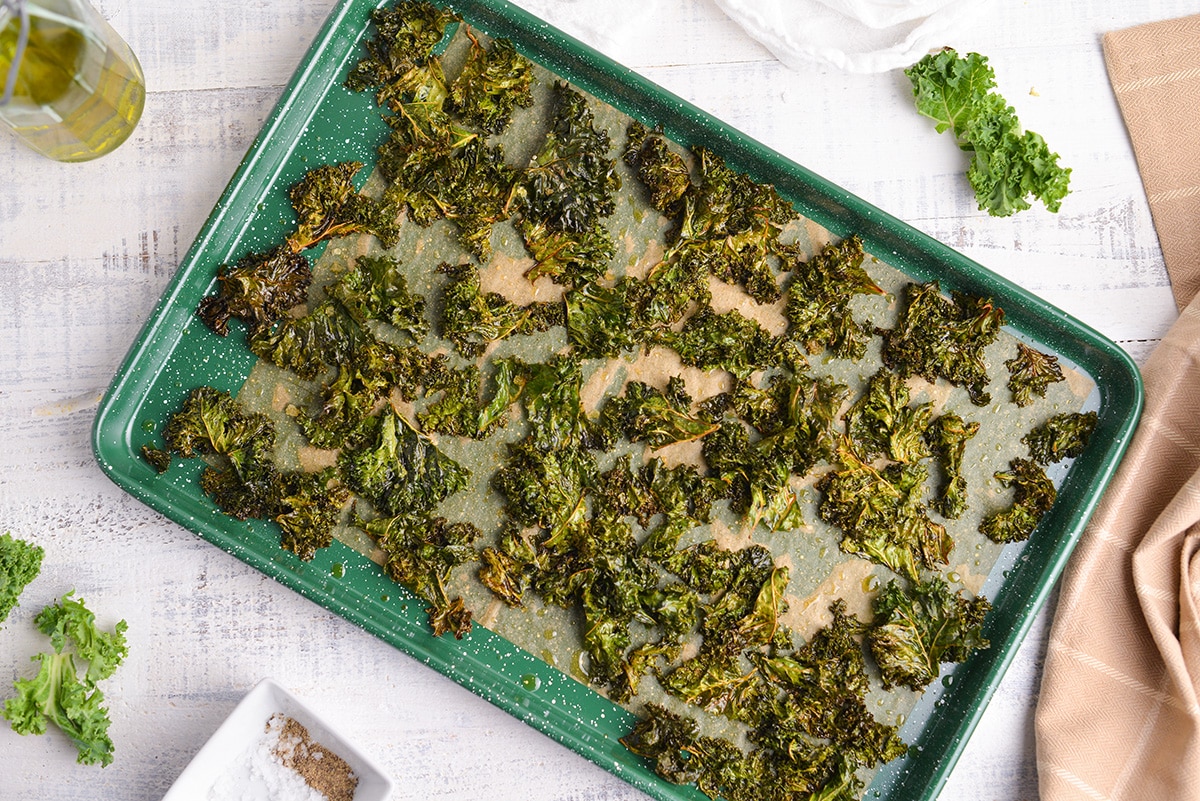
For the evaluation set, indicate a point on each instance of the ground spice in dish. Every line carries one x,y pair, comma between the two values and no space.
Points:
323,770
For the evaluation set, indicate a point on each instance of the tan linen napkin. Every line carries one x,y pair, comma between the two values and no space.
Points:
1118,717
1155,75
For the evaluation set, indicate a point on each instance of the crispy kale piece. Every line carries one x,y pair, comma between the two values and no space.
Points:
570,182
573,258
728,341
947,437
646,414
399,470
940,336
421,553
308,345
1030,372
243,481
212,422
405,37
663,171
310,507
881,514
553,406
796,414
1062,436
810,728
598,321
375,289
472,319
1033,495
758,477
1007,165
666,294
730,226
58,694
918,629
494,81
20,563
258,290
328,205
819,296
882,423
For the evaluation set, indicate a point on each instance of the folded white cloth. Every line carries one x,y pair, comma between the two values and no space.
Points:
604,24
855,35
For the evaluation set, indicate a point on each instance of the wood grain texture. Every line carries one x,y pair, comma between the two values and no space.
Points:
85,251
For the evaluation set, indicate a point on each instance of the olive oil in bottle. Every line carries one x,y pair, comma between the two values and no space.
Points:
78,90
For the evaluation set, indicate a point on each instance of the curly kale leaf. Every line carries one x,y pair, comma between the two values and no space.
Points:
472,319
376,289
258,290
20,563
796,415
645,414
570,182
399,470
663,171
819,296
553,406
1008,165
546,488
917,630
881,514
882,423
1030,373
328,205
213,422
598,322
1062,436
666,294
310,508
494,81
947,438
58,694
728,341
940,336
757,476
1033,495
421,553
573,258
405,36
327,335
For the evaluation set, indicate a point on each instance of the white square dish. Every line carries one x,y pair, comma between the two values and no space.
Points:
247,725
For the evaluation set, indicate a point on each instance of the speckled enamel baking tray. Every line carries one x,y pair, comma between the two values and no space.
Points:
317,121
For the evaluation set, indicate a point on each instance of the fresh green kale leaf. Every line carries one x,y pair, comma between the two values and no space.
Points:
1008,165
20,563
58,694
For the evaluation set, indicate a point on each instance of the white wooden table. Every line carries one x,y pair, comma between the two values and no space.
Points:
85,251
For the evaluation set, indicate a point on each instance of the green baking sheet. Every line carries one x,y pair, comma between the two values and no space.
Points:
318,122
